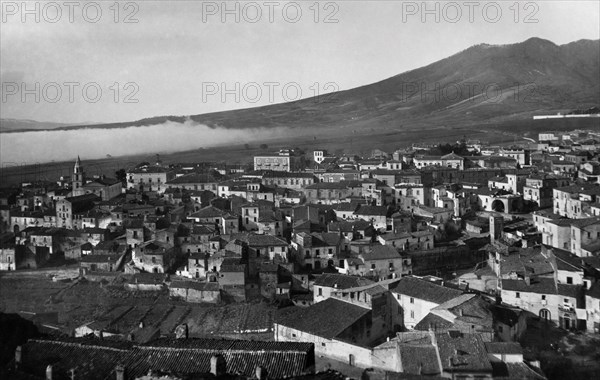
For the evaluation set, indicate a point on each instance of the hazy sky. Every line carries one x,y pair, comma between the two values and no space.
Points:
180,57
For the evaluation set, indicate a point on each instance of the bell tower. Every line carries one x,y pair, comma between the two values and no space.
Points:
77,181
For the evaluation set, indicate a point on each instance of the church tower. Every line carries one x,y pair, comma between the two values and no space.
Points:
77,180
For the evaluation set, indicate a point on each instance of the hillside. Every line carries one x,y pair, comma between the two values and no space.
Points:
484,84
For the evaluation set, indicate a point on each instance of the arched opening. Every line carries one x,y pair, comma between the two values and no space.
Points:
567,322
498,206
545,314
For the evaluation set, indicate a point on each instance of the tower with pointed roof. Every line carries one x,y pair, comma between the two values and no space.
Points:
77,180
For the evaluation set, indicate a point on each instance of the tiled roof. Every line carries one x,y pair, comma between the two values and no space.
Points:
506,314
594,291
574,291
341,281
97,360
503,348
256,240
326,319
282,174
582,223
463,352
433,321
202,286
346,206
330,238
452,156
103,182
232,264
208,212
425,290
327,186
381,252
192,178
540,286
419,359
372,210
99,258
510,371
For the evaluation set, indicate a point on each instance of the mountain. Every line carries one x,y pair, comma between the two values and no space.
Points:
22,125
482,85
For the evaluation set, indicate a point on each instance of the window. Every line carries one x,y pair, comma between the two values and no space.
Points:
320,291
372,266
543,297
518,295
412,300
412,313
569,280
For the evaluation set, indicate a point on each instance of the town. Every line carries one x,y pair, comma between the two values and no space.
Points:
461,260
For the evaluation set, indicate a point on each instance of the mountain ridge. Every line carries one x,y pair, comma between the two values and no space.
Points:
481,84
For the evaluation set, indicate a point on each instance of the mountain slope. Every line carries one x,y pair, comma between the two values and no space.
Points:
482,84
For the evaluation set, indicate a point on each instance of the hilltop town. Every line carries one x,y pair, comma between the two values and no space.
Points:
460,260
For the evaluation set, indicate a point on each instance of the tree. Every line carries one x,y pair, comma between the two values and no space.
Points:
264,146
121,175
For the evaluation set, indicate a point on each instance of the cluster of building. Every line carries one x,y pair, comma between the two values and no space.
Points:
365,249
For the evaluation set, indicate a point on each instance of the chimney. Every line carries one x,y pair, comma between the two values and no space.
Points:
217,365
18,352
49,372
261,373
120,372
181,332
460,312
432,336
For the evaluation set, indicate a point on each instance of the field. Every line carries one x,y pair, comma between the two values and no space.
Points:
358,138
78,302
